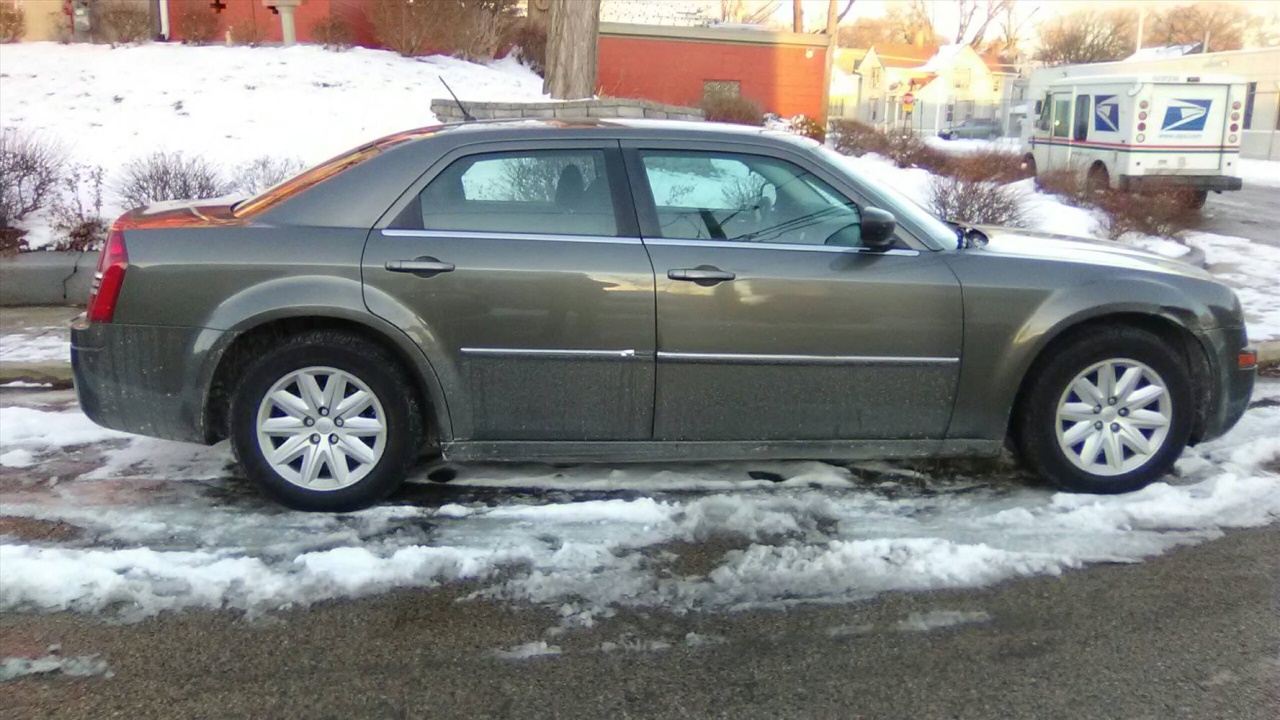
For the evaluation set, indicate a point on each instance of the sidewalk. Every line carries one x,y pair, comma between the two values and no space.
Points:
35,344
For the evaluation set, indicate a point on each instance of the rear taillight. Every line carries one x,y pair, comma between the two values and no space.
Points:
109,278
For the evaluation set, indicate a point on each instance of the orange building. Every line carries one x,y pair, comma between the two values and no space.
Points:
242,17
783,72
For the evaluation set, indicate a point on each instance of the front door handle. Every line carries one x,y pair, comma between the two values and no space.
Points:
704,275
421,266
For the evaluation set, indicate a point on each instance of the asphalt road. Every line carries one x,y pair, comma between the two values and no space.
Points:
1193,634
1252,212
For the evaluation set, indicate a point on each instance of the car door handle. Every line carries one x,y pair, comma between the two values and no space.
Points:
421,266
704,275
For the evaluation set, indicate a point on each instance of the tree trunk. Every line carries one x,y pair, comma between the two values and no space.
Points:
573,27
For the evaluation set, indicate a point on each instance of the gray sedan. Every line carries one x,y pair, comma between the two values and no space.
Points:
625,291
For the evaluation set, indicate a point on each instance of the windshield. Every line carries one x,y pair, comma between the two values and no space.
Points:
932,231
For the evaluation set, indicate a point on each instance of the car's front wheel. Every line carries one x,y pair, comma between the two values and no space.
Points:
326,421
1109,412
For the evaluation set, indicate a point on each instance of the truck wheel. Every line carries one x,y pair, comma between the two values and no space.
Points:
326,421
1029,166
1198,198
1097,181
1109,412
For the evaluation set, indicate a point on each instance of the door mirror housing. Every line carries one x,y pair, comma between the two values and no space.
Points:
877,228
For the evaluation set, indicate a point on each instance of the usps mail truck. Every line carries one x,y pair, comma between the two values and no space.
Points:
1135,132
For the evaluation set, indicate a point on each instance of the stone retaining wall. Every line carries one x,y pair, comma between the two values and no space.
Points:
447,110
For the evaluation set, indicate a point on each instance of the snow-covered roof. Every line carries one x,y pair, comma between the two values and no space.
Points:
1164,52
944,58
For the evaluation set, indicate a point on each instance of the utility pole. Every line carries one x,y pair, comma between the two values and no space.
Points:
797,15
1142,16
833,20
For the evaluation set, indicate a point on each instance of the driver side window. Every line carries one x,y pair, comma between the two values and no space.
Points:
746,198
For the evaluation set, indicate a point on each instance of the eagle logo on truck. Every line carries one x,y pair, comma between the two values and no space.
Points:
1186,115
1106,116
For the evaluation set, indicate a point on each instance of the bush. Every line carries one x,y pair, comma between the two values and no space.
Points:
332,33
195,23
808,127
470,29
980,202
530,40
732,109
77,211
30,168
1165,212
169,176
13,241
256,175
123,21
13,23
904,148
248,32
987,165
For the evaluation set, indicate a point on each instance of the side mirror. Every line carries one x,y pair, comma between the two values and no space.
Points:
877,228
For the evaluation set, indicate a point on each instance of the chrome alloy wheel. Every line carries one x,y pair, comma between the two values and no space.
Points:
321,428
1114,417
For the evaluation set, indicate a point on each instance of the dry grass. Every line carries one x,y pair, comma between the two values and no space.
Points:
13,23
195,23
124,21
169,176
332,33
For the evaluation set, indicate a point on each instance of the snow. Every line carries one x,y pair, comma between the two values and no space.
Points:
1259,172
587,540
536,649
937,619
79,666
1253,270
34,348
107,105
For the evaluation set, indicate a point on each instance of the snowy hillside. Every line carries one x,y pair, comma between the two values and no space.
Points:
233,103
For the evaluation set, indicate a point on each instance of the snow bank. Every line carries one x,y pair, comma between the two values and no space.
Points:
231,104
822,534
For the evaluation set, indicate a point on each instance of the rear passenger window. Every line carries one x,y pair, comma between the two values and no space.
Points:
561,192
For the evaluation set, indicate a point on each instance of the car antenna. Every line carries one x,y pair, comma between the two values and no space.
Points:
465,115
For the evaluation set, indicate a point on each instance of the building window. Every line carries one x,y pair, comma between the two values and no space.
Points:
877,74
721,88
1248,106
963,78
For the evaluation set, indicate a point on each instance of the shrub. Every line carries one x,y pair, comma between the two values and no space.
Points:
979,202
169,176
248,32
77,211
732,109
808,127
1164,212
13,23
195,23
123,21
530,40
13,241
470,29
987,165
903,147
30,168
332,33
254,176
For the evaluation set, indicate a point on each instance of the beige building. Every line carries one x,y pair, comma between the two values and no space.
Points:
948,83
1259,68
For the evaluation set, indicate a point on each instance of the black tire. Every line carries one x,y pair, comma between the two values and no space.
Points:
1035,422
1198,198
1098,181
372,365
1029,168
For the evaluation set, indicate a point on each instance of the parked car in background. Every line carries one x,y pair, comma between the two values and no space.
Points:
610,291
972,129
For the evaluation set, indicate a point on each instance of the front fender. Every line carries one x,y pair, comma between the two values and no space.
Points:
1004,336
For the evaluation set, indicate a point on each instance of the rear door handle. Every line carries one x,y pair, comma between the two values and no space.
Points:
704,275
420,266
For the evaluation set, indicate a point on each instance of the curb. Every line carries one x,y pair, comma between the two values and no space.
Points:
53,372
1268,353
46,278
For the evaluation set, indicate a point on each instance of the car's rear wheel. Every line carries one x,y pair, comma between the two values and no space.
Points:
326,421
1109,412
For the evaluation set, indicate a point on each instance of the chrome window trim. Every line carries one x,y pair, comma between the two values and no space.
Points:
761,359
680,242
549,353
479,235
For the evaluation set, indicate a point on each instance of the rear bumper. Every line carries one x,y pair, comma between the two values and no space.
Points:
1215,183
1229,386
143,379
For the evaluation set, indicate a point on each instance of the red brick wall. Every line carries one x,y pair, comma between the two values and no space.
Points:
239,14
778,77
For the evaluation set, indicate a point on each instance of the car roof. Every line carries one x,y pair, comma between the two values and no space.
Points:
621,128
